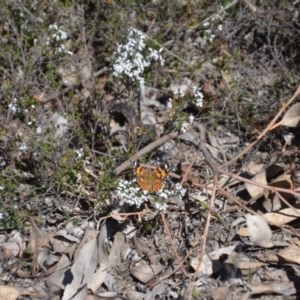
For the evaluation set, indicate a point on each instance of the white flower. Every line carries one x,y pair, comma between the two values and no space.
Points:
23,148
163,194
198,96
79,153
130,193
53,26
180,189
179,92
57,36
206,24
191,119
211,38
169,104
63,35
161,206
79,178
184,126
13,108
220,27
130,60
39,130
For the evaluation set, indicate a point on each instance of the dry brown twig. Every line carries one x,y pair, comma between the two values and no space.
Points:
145,150
271,126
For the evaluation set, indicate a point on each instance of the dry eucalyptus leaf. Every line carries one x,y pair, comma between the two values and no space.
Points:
256,191
83,269
244,231
105,296
228,182
213,150
249,265
102,251
117,250
220,293
283,216
272,201
291,254
47,258
11,249
253,168
145,273
14,292
260,232
292,116
278,287
10,292
98,278
56,280
36,242
210,263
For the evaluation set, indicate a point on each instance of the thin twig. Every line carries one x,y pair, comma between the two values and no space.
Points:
172,242
268,128
144,151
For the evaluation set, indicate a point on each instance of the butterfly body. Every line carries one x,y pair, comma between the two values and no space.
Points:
151,181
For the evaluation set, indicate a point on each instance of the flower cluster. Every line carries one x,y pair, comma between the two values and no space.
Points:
14,108
198,96
216,18
56,40
186,124
79,152
131,60
130,193
23,148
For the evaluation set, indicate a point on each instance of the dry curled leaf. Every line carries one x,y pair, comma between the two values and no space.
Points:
283,216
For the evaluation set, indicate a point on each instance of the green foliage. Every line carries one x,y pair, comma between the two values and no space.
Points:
146,227
196,295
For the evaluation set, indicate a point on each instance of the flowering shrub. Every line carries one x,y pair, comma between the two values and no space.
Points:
55,42
129,192
132,58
